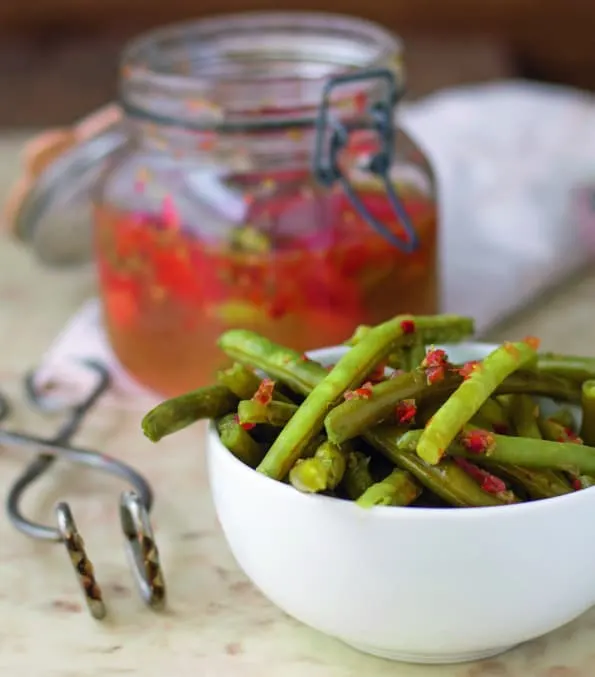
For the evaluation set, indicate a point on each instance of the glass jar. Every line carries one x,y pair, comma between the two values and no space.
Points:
251,191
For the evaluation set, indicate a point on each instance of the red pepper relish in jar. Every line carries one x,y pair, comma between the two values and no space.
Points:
211,217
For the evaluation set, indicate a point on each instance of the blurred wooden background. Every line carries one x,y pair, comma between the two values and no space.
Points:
58,58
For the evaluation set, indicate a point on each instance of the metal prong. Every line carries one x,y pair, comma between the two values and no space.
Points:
142,550
80,562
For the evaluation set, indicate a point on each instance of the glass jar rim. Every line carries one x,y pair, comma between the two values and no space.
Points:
252,68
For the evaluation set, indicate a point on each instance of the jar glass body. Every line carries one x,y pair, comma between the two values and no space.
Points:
200,230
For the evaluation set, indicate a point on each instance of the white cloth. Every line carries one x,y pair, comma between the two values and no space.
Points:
61,369
509,158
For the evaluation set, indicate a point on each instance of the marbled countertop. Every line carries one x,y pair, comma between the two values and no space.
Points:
217,623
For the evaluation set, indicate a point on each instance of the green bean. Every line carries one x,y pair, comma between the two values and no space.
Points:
180,412
357,477
555,432
413,356
522,451
478,421
444,329
505,401
543,385
454,330
301,375
494,414
574,368
531,453
524,413
539,484
244,383
445,479
278,362
274,413
397,359
352,417
588,413
461,406
239,442
348,373
399,488
358,335
321,472
349,419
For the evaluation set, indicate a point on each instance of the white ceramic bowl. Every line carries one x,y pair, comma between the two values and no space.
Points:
418,585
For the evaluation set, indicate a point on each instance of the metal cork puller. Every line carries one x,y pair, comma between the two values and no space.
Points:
134,505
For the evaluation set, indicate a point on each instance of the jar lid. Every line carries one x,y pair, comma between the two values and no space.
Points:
49,207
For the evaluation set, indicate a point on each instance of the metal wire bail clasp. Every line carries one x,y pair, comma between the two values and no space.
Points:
134,505
332,136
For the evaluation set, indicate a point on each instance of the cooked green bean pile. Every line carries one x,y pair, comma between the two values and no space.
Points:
394,422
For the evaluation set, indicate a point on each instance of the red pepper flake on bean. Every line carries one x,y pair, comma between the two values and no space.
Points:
245,426
364,392
405,411
468,368
408,327
569,436
435,364
477,441
488,482
264,394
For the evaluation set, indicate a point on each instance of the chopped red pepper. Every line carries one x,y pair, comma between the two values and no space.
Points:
264,394
577,485
435,375
487,481
322,267
245,426
468,368
435,364
569,436
477,441
364,392
405,411
435,357
408,327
